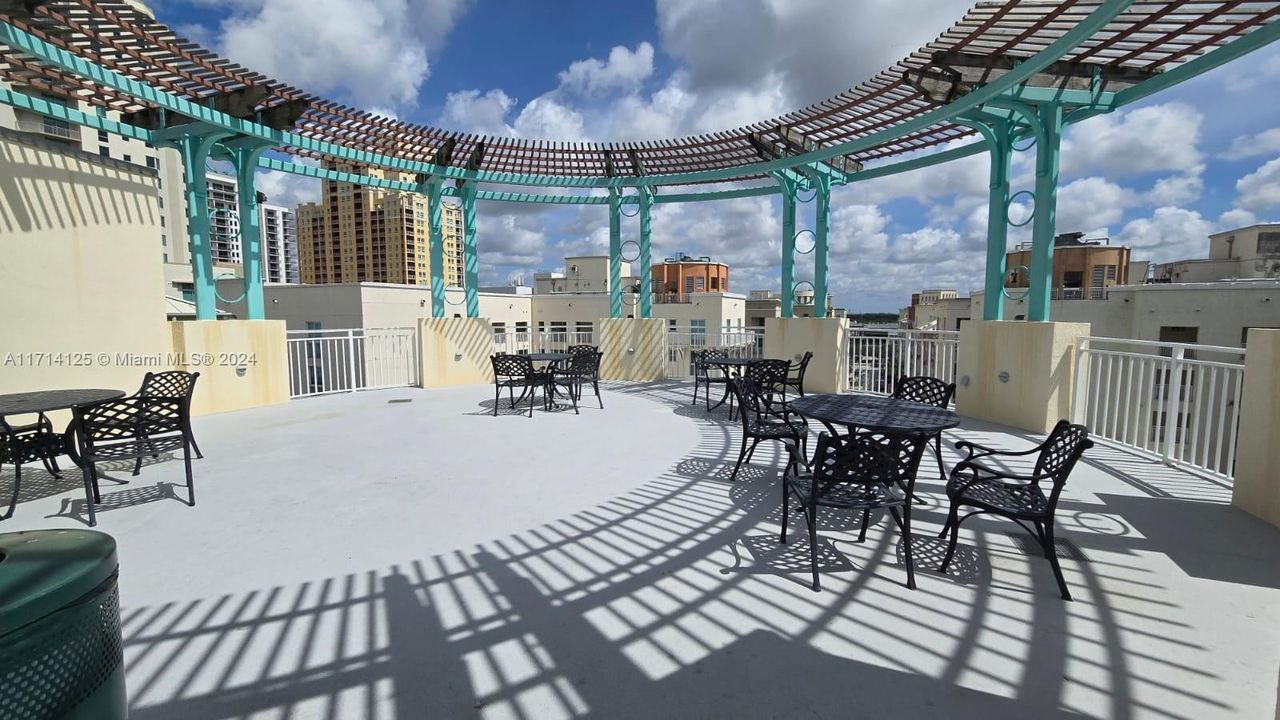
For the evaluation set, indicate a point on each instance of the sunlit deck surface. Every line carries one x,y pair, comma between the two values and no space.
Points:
402,554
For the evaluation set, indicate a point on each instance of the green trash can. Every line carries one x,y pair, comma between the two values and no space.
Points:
60,650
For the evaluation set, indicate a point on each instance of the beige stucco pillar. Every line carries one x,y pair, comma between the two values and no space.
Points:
455,351
242,363
827,338
1017,373
1257,482
634,348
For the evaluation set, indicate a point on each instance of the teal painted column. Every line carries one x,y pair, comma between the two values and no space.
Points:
470,258
434,213
997,134
195,151
1048,144
788,247
646,253
821,246
244,155
615,254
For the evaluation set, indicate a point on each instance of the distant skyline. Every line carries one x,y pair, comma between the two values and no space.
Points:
1159,175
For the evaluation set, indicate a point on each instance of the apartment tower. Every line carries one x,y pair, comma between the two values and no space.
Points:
363,234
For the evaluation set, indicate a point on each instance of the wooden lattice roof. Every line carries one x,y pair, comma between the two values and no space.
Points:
1150,36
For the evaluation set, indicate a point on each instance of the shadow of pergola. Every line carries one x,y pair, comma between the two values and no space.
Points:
676,600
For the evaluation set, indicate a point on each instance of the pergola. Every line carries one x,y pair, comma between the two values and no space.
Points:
1011,74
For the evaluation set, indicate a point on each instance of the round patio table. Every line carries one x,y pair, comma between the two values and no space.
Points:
731,367
550,358
43,401
875,413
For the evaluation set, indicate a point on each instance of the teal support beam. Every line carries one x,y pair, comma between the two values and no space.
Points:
788,247
615,254
646,253
821,246
244,156
1048,144
433,186
997,134
194,148
470,258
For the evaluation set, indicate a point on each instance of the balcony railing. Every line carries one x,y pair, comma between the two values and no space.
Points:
58,130
1180,402
1092,293
877,358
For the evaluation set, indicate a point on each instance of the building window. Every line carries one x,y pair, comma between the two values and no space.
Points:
559,326
671,325
102,136
583,327
128,158
104,151
1269,243
151,162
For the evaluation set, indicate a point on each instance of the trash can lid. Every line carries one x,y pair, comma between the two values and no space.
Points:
42,571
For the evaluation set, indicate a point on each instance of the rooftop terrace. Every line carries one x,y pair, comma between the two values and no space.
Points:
403,554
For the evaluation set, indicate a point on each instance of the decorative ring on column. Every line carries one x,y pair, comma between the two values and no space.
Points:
795,288
447,301
234,215
622,207
218,295
1009,206
813,245
622,251
1031,140
1005,291
806,200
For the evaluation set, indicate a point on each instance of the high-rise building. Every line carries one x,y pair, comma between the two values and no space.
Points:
362,234
279,244
277,229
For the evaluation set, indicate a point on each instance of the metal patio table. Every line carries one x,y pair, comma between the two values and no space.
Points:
731,367
46,401
551,359
875,413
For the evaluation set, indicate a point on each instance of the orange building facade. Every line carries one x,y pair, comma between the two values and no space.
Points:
674,279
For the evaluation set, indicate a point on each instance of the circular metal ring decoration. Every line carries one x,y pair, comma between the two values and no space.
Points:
218,295
622,252
1005,291
795,288
1009,206
806,200
461,302
233,216
622,207
813,242
1031,140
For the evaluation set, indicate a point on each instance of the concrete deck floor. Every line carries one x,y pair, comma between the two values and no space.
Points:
401,554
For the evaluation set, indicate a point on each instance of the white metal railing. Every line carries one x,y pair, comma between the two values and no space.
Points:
522,343
333,361
50,127
877,358
1177,401
681,345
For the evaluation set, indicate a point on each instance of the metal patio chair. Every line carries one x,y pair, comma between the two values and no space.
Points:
24,444
860,471
770,378
764,419
515,371
796,371
595,377
707,374
977,483
129,429
582,369
173,384
927,391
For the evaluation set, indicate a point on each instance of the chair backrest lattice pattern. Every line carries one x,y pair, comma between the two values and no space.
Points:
1060,452
127,419
171,384
925,390
511,366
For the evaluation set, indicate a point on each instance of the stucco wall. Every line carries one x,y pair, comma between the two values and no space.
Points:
827,338
81,273
455,351
1017,373
1257,478
242,363
633,349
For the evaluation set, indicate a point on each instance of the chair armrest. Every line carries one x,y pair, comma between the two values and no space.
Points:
997,473
977,450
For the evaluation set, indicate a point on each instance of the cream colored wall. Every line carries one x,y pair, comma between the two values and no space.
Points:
634,349
827,338
1038,359
1257,480
714,308
79,269
455,351
335,307
242,363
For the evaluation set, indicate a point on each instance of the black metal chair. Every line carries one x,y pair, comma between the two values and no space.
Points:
129,429
515,371
704,373
582,369
764,419
861,471
795,374
24,444
770,377
595,377
173,384
976,483
927,391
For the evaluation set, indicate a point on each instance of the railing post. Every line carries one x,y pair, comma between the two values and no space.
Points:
1174,405
351,359
1078,388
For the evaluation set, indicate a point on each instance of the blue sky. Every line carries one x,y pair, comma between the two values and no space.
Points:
1160,175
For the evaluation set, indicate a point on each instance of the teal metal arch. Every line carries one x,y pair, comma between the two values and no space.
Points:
212,127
